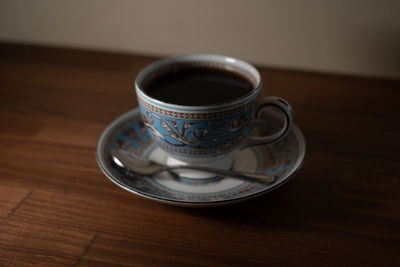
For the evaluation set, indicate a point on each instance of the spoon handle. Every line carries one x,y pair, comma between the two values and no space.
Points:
257,177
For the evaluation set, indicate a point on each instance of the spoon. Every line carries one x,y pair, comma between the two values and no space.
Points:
146,167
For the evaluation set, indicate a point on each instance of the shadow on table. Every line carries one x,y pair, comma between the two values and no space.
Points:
260,209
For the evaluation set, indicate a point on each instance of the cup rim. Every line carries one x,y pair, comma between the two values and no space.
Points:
230,62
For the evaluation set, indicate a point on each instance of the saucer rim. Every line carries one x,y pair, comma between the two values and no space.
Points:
284,178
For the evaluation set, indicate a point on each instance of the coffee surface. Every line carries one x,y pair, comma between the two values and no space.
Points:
198,86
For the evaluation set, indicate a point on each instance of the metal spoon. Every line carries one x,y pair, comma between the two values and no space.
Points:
146,167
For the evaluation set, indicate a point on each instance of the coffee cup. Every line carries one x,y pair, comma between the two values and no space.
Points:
199,108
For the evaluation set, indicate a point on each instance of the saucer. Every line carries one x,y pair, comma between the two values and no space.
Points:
280,160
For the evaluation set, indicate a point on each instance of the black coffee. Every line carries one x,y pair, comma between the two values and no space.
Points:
197,86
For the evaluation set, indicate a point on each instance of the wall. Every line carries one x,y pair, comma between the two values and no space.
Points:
354,37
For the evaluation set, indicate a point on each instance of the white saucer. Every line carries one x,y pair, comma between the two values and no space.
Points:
280,160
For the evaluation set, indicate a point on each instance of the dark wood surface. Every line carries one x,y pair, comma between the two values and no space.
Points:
57,208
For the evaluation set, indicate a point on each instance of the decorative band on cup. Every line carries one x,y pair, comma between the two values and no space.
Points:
194,115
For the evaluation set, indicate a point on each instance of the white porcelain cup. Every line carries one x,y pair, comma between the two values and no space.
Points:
206,135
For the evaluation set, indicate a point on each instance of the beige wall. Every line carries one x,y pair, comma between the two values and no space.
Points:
356,37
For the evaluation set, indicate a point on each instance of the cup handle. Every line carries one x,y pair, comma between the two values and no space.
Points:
286,110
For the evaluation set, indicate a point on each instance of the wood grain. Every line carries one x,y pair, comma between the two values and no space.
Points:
57,208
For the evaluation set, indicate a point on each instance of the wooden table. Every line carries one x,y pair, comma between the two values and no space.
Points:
57,207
